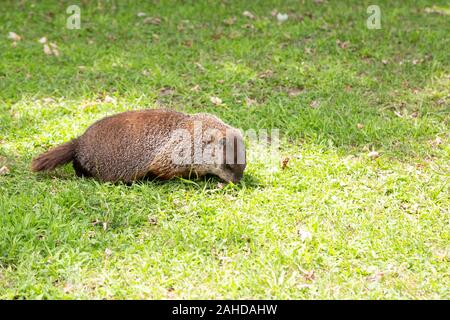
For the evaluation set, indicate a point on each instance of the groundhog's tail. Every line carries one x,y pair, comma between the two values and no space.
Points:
54,157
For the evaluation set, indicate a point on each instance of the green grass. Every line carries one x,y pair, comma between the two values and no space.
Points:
333,224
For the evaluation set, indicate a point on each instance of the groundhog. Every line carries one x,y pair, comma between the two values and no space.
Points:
152,143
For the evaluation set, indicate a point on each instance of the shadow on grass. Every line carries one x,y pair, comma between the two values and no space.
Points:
208,182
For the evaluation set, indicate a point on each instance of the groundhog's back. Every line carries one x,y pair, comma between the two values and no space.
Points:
121,147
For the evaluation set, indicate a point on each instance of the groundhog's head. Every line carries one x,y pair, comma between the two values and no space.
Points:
233,161
224,155
208,146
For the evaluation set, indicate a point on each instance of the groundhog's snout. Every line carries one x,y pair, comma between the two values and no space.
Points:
232,173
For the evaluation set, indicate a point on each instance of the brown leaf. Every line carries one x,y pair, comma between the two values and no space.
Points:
434,143
342,44
314,104
282,17
284,163
248,14
229,21
265,74
250,102
373,155
152,20
216,101
195,88
359,125
200,66
47,50
14,36
67,288
4,171
293,92
188,43
109,99
309,275
166,91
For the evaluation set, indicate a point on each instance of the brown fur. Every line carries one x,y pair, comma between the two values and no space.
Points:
131,145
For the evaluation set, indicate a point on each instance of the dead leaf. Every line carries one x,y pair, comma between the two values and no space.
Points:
314,104
293,92
14,36
304,234
48,100
229,21
373,155
376,276
434,143
146,73
216,101
274,12
166,91
359,125
342,44
188,43
438,10
195,88
54,48
200,66
141,14
47,50
4,171
308,50
109,99
284,163
108,252
266,74
282,17
153,221
51,49
152,20
43,40
248,14
309,275
67,288
170,293
250,102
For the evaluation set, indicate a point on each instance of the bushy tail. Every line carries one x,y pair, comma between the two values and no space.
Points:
54,157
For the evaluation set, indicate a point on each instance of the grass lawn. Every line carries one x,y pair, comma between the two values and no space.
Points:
360,210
